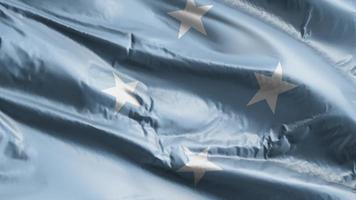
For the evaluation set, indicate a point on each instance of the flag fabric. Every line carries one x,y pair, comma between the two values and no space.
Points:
177,99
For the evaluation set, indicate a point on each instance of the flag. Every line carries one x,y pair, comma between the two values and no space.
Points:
177,99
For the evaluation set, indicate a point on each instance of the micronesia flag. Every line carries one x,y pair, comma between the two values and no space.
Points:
178,99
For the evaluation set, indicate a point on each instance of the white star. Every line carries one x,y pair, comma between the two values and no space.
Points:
122,93
198,163
190,17
271,87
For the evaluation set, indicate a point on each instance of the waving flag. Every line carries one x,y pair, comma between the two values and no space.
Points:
177,99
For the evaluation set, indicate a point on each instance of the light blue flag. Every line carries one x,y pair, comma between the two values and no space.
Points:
177,99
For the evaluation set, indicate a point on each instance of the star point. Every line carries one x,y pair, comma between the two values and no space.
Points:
270,88
122,93
191,17
199,164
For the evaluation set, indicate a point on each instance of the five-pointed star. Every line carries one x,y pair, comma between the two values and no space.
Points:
190,17
122,93
198,163
271,87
